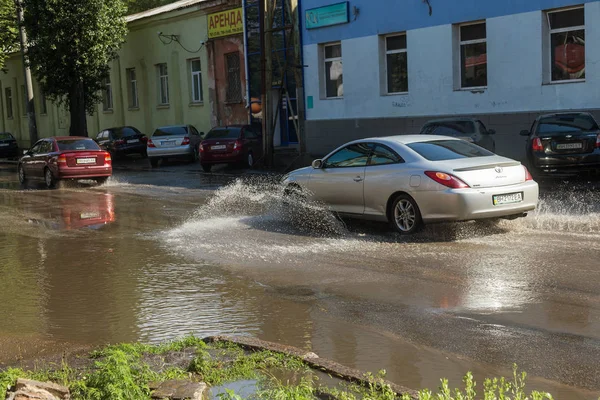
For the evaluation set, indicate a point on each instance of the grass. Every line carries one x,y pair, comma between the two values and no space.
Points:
124,372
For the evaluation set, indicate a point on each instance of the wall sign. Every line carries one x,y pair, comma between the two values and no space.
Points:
332,14
225,23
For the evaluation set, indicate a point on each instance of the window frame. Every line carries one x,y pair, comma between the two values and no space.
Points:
162,78
326,166
9,102
467,42
331,59
133,99
387,52
388,148
229,98
196,90
562,30
107,95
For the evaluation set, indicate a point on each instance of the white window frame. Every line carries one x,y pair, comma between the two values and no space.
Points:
163,78
196,91
332,59
385,61
467,42
107,98
561,30
132,89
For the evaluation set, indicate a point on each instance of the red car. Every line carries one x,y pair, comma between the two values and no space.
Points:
68,157
234,144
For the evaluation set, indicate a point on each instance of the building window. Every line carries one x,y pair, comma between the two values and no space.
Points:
234,81
396,64
163,84
334,84
107,97
197,80
9,102
567,44
24,97
44,106
473,55
132,89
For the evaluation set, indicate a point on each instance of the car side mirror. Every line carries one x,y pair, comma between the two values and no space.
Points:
25,152
524,132
202,134
492,131
317,164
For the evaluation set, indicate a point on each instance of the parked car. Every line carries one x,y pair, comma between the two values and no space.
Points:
411,180
70,157
234,144
123,140
563,144
469,129
8,146
177,141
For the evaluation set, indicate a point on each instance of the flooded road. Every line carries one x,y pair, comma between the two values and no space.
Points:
152,256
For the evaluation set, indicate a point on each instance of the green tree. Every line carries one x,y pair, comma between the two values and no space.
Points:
70,46
8,30
136,6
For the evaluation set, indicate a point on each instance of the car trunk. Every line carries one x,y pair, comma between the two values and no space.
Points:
571,143
218,145
168,140
481,172
84,158
129,140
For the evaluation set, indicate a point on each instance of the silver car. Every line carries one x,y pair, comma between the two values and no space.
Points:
411,180
178,141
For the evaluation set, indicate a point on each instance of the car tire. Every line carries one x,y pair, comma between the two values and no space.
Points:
144,154
154,162
195,155
22,177
250,160
404,215
49,179
102,181
206,167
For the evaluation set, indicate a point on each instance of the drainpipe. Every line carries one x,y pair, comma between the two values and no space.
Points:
248,100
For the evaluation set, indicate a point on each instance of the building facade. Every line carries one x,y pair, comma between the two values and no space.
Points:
169,71
375,68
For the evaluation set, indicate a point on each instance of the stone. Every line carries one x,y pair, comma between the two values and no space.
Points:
180,390
26,389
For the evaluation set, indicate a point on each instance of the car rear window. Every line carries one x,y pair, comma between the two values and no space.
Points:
224,133
123,132
558,124
450,128
5,136
171,131
440,150
77,144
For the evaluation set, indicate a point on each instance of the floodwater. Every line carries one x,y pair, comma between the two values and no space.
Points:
153,257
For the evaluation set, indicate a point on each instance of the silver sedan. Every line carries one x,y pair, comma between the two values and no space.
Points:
411,180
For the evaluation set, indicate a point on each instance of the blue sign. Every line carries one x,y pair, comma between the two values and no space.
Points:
332,14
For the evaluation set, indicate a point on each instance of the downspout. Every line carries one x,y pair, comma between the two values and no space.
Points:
246,68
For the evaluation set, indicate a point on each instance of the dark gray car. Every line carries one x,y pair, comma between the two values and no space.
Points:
470,129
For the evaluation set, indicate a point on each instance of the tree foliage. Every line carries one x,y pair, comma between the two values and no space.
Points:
136,6
70,46
8,30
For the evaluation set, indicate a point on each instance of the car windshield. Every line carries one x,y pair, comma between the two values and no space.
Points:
123,132
5,136
440,150
558,124
171,131
77,144
223,133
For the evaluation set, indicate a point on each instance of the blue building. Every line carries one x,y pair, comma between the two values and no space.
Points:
382,67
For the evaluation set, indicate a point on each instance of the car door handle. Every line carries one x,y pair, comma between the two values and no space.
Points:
358,179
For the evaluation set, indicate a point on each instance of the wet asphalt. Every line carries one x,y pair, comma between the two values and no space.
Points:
156,254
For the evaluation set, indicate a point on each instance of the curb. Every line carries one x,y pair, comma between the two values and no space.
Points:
311,359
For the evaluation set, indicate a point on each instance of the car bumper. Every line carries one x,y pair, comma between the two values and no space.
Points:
170,152
222,158
470,204
567,164
130,149
84,172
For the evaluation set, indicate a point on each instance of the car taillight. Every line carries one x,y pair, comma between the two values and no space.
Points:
150,144
201,148
185,141
528,176
537,144
107,158
237,145
598,141
62,159
446,179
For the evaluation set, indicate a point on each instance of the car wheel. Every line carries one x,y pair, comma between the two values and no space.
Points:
250,160
49,179
102,181
195,155
154,162
22,177
206,167
144,154
405,216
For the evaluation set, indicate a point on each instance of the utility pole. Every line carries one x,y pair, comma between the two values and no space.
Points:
33,136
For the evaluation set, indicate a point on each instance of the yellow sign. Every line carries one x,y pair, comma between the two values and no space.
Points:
225,23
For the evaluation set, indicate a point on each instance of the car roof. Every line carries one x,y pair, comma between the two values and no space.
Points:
450,119
406,139
68,137
118,127
563,114
173,126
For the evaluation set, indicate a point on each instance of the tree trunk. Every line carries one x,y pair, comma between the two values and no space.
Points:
77,110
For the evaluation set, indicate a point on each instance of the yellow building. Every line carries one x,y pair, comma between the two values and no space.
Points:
162,76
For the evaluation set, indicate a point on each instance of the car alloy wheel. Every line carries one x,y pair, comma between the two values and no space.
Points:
22,178
250,160
406,217
49,179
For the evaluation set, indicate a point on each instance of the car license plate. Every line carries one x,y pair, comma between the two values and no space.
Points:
88,215
167,143
133,141
3,144
508,198
219,147
86,161
569,146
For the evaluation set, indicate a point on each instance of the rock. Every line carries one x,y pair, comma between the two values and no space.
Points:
26,389
180,390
